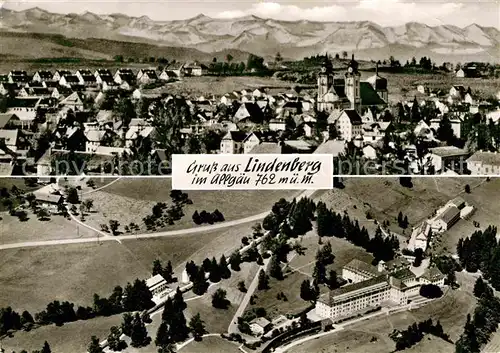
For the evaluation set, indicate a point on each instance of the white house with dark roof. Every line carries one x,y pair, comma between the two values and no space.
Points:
448,158
232,142
158,287
348,123
42,75
484,163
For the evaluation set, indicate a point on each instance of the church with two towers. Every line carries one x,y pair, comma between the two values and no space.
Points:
343,92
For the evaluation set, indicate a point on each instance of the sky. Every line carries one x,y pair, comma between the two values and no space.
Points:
384,12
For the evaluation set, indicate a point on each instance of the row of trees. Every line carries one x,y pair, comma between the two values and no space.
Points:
481,252
330,223
483,324
135,297
204,217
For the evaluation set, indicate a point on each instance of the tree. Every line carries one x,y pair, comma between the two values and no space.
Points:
72,196
126,326
242,287
178,300
419,254
275,268
305,290
467,189
46,348
157,267
332,280
235,261
225,273
445,130
219,300
113,225
430,291
481,288
278,58
197,327
344,55
263,281
168,272
139,334
115,343
94,346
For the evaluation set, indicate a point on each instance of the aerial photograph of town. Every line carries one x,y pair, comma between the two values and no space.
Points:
101,251
92,264
94,89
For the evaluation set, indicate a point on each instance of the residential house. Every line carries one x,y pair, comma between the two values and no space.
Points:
420,236
9,121
332,147
86,78
61,92
49,197
134,132
158,287
42,76
373,132
348,123
168,75
177,68
103,75
59,74
277,124
195,69
39,92
448,158
9,89
69,81
74,101
432,275
24,109
145,76
125,75
257,137
249,113
484,163
18,76
260,326
457,91
460,73
232,142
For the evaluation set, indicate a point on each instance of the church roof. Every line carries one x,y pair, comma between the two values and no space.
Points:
369,96
377,82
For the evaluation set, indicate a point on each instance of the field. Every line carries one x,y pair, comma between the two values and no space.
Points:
211,344
57,227
71,337
484,198
404,86
29,275
300,268
130,200
218,86
343,250
385,197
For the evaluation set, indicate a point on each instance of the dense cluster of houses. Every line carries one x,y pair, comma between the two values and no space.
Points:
257,120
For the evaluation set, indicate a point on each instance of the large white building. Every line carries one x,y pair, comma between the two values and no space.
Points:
158,287
391,282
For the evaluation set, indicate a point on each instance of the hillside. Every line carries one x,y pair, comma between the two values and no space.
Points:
267,36
38,45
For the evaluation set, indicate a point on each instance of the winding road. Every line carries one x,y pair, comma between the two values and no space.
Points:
106,237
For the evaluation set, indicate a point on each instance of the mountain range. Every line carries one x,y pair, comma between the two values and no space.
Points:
265,37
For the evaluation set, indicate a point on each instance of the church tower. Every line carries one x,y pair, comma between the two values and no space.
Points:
352,86
325,81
